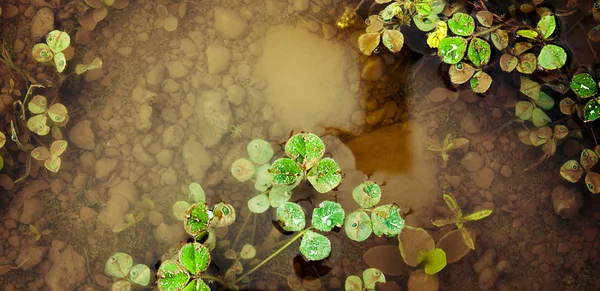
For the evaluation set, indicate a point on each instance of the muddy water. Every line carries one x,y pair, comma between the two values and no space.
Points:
180,107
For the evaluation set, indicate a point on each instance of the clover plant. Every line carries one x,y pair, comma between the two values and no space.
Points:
184,272
52,51
370,277
585,88
120,266
572,170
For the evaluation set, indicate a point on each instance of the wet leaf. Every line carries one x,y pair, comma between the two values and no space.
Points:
140,274
479,51
560,131
57,113
118,265
521,47
524,110
508,62
530,88
499,39
197,219
306,149
539,118
37,124
478,215
367,194
195,257
120,227
58,41
528,33
353,283
390,11
386,220
263,178
372,276
583,85
547,26
38,104
42,53
285,172
325,176
427,23
291,217
223,215
40,153
594,33
481,82
172,276
368,42
328,215
591,111
462,24
588,159
527,63
544,101
437,6
592,182
197,193
260,151
82,68
314,246
461,73
279,195
435,261
259,203
596,11
524,137
243,169
121,285
393,40
196,285
422,9
454,245
374,24
552,57
180,209
60,62
412,241
248,252
52,164
58,147
230,254
452,49
358,226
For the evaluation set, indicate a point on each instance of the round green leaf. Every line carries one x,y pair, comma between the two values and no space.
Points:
386,220
180,209
259,203
583,85
437,6
196,285
305,148
291,216
479,52
462,24
247,252
552,57
325,176
38,104
328,215
58,40
591,111
452,49
37,124
481,82
544,101
140,274
372,276
353,283
547,25
435,261
285,172
60,62
172,276
358,226
367,194
528,33
223,215
197,219
524,109
539,118
243,169
195,257
390,11
315,246
423,9
260,151
118,265
263,178
425,23
279,195
42,53
197,193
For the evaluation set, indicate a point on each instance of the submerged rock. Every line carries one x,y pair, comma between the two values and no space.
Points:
218,58
67,272
472,161
214,116
566,201
82,135
42,23
229,24
196,159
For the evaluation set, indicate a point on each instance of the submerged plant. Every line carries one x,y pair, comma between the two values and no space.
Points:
448,144
532,110
120,266
585,88
417,248
46,118
52,51
572,170
370,277
51,158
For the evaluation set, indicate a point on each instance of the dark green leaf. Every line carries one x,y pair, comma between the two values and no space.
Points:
452,49
328,215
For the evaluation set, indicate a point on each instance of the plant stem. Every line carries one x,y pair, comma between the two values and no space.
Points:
213,278
488,30
358,5
237,237
295,238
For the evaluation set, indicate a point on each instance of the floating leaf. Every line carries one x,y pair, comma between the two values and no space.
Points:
358,226
592,182
594,33
224,215
386,220
259,203
508,62
374,24
58,113
372,276
121,285
306,149
260,151
367,194
530,88
591,111
479,51
481,82
82,68
461,73
248,252
485,18
544,101
547,25
291,216
195,257
197,219
393,40
285,172
42,53
413,241
58,147
180,209
279,195
462,24
521,47
140,274
37,124
524,137
527,63
560,131
60,62
328,215
40,153
422,9
583,85
552,57
172,276
118,265
243,169
539,118
437,6
435,261
38,104
197,193
353,283
528,33
263,178
588,159
53,164
58,40
427,23
196,285
368,42
315,246
452,49
499,39
325,176
390,11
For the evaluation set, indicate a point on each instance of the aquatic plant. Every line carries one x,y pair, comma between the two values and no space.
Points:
531,110
51,158
572,170
52,51
585,88
370,277
98,10
120,266
448,144
185,271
